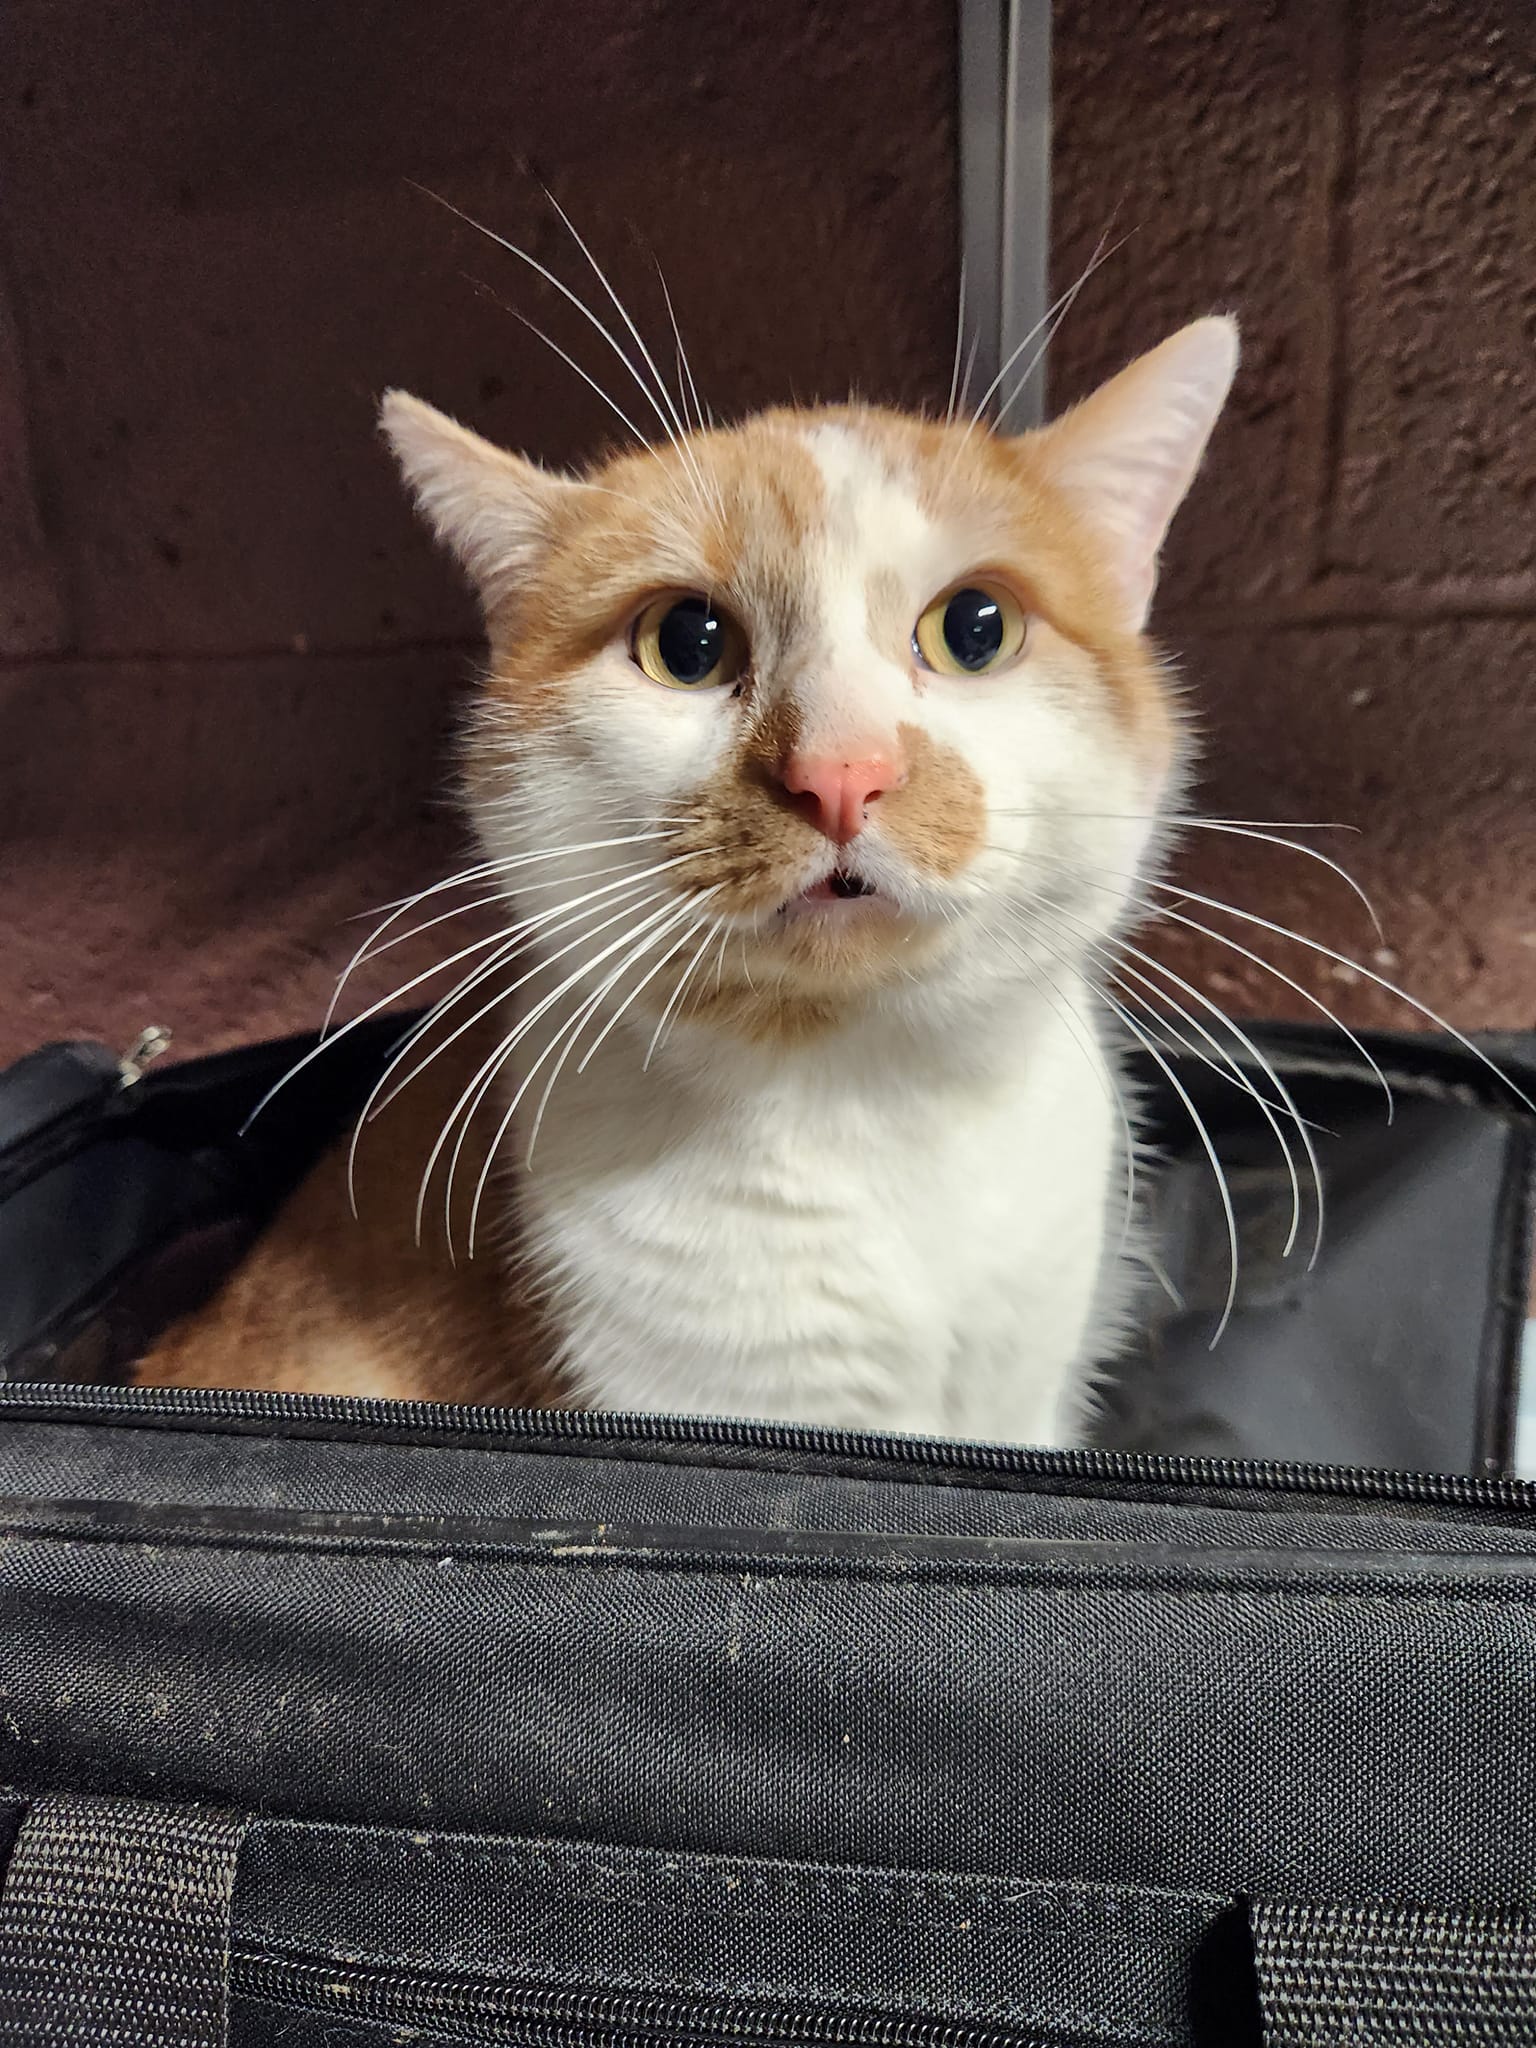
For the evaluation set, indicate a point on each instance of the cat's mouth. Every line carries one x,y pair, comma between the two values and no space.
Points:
841,886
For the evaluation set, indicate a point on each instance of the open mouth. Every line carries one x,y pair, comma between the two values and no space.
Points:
838,887
842,885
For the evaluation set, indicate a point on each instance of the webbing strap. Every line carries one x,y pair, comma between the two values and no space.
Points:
1385,1976
114,1925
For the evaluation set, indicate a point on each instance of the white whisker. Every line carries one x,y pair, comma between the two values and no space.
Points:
592,1050
1174,915
1211,1154
353,1023
564,290
560,918
1237,831
397,910
506,865
1245,828
463,879
954,375
571,1031
1229,1070
484,1077
679,438
510,946
686,385
1094,1055
1179,820
588,1010
1096,261
1225,1068
1238,1077
1143,906
527,1081
565,356
1048,323
1343,960
504,896
676,996
1054,314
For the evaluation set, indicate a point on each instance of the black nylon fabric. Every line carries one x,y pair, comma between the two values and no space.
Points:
1393,1976
873,1741
114,1925
1055,1960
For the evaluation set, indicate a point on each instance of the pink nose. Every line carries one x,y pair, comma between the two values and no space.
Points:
840,791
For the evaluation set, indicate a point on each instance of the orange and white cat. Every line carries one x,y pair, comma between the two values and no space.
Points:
816,762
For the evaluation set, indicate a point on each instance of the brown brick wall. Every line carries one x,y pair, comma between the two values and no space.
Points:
1353,586
228,658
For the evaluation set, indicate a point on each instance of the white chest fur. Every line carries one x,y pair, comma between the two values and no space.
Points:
869,1234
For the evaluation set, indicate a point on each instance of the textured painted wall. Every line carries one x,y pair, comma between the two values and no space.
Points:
228,658
1353,586
227,652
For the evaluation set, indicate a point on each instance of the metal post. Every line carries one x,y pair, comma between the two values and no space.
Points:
1005,194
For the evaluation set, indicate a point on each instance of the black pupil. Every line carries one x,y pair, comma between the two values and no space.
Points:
689,641
973,628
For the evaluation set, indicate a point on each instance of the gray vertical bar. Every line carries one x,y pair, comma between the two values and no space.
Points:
983,116
1026,206
1005,190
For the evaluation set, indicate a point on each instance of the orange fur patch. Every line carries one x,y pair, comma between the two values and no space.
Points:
732,518
938,817
331,1303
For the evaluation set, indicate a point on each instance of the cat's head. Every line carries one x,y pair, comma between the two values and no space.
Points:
838,705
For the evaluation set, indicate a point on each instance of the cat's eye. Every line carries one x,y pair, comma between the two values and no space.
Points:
687,643
970,630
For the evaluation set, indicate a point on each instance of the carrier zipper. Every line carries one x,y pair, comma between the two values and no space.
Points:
937,1460
151,1042
527,2017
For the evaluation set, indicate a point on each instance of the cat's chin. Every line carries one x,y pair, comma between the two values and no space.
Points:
835,949
811,965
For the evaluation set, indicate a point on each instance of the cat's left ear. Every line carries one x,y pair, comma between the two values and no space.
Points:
1128,453
494,510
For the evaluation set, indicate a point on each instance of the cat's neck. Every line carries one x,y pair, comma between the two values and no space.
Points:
925,1039
850,1230
876,1065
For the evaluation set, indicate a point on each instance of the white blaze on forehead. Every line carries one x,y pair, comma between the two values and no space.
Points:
873,526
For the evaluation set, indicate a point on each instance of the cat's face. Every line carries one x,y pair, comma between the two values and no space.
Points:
877,686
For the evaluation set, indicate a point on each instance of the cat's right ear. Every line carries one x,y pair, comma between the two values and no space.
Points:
1129,452
495,511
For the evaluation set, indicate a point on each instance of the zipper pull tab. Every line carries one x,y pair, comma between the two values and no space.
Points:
153,1040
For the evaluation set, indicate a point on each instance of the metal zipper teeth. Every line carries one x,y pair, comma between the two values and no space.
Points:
564,2019
915,1458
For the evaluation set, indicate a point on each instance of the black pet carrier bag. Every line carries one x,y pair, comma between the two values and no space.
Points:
358,1723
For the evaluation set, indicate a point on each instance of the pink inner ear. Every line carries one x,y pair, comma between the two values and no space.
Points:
491,508
1128,454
